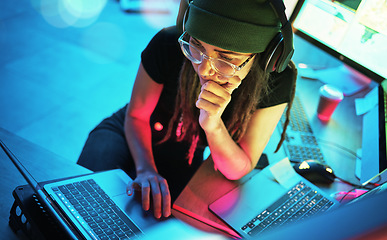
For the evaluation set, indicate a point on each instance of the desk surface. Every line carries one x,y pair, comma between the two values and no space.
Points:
41,163
340,137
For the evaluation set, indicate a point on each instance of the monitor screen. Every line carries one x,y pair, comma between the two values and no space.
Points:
353,31
374,153
382,127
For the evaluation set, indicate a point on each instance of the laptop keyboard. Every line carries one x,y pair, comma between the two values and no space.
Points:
298,203
300,143
95,211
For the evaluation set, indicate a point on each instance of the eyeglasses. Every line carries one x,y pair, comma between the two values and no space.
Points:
196,56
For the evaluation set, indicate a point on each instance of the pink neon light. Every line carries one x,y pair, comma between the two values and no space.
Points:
158,126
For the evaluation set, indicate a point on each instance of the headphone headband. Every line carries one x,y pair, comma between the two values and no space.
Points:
286,40
279,51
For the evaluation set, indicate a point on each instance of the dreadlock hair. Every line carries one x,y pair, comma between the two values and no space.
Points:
237,114
290,104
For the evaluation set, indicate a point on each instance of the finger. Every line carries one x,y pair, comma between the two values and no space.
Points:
220,90
145,191
216,95
210,97
156,195
209,107
131,187
166,198
231,87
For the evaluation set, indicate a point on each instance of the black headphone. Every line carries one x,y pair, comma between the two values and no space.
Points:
278,53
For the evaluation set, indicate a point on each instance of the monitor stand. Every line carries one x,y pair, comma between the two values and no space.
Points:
343,77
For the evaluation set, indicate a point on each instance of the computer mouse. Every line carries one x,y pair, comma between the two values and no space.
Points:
315,171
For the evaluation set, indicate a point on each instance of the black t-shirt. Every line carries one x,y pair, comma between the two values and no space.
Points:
162,59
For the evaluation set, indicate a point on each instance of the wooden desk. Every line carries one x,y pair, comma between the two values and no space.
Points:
41,163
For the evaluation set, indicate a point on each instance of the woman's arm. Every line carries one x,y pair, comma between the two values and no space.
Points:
235,160
145,96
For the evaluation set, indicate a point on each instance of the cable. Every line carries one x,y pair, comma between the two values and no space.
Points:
339,147
356,185
346,194
357,157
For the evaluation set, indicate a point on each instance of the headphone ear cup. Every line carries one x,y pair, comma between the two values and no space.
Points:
270,57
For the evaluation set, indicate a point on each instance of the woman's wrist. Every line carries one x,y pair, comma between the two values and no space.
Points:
215,128
146,169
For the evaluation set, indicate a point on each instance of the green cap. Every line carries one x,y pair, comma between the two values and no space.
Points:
245,26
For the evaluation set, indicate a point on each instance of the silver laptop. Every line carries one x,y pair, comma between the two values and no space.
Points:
273,197
99,207
93,206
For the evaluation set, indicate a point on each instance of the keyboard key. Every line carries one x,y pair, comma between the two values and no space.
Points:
78,207
255,231
108,231
63,189
83,213
103,237
98,219
88,219
109,221
94,204
114,227
93,225
104,205
130,233
251,225
108,211
109,202
103,225
113,237
93,213
120,233
98,231
78,197
79,187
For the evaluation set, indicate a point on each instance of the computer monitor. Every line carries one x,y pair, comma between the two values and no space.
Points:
374,154
353,31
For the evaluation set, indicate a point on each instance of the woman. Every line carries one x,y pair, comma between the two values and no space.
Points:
204,87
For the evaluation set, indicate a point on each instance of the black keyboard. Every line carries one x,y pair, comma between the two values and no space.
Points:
298,203
95,211
300,143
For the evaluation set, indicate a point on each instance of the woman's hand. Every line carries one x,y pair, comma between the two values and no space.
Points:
150,183
212,101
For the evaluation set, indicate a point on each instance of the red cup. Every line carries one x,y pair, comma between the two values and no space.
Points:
330,97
